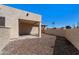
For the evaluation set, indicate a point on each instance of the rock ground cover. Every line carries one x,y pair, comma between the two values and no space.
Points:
35,46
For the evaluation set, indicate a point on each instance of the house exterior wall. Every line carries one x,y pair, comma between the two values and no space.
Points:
8,11
34,30
13,24
27,28
24,28
12,16
4,37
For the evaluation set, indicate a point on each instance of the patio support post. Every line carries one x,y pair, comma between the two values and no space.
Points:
39,29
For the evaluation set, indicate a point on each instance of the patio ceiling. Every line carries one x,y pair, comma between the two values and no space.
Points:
29,22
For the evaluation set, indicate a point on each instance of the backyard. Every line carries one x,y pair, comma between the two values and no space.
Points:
34,46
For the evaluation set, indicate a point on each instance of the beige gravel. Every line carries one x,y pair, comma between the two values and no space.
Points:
35,46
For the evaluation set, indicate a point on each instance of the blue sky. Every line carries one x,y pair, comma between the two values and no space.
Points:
61,14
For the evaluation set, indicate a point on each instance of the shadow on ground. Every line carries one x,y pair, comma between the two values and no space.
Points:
64,47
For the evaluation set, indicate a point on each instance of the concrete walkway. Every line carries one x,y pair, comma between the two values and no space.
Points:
34,46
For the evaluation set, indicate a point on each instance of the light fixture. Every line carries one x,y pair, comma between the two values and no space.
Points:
27,14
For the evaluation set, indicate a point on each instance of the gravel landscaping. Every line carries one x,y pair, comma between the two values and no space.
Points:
47,45
35,46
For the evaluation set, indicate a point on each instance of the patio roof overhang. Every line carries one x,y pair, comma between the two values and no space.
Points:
29,22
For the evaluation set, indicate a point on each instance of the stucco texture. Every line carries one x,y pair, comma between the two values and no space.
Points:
4,37
72,35
12,16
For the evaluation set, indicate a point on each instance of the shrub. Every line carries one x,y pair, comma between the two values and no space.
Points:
68,27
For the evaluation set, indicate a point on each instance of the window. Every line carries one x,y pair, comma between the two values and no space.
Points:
2,21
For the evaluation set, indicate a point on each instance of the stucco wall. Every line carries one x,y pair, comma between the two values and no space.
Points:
12,22
4,37
8,11
57,32
34,30
27,28
12,15
73,36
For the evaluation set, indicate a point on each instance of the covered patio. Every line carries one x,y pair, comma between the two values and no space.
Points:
29,28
